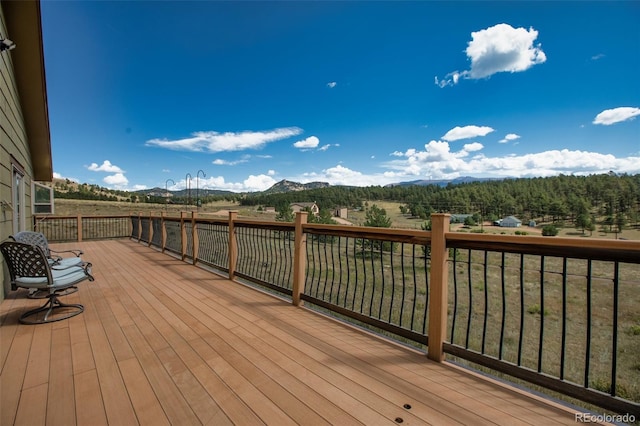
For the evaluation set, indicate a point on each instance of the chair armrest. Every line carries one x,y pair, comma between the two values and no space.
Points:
77,253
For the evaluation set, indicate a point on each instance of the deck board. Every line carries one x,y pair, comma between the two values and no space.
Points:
164,342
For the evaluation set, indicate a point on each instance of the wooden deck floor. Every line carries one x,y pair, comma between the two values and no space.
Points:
164,342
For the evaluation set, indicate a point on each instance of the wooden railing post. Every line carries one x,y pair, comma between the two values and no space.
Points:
299,258
438,295
79,228
194,237
163,240
139,226
183,235
233,245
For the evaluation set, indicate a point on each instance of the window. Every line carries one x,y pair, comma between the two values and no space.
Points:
43,199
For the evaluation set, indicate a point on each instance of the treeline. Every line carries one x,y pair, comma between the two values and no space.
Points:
615,197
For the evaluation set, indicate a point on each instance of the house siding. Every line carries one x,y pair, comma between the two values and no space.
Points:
14,149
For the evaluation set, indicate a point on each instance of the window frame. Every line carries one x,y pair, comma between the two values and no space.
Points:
35,186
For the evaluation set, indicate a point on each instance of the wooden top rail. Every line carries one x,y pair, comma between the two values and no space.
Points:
56,217
399,235
596,249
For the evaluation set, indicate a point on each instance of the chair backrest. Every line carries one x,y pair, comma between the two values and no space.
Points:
25,261
34,238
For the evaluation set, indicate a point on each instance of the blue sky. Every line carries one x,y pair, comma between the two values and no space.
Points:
350,93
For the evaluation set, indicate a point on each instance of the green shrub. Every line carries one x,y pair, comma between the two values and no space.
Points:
549,231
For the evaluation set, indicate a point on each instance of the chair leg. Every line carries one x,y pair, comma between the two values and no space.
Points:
52,304
44,293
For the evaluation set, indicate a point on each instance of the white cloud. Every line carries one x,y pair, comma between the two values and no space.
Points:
598,56
466,132
59,176
500,48
212,141
332,84
308,143
251,184
340,175
508,138
139,187
117,180
221,162
471,147
271,173
105,167
327,146
616,115
437,161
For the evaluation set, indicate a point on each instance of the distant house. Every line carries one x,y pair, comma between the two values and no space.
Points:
299,207
341,212
510,222
269,209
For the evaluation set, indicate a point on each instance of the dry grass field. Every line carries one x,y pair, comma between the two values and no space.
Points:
64,207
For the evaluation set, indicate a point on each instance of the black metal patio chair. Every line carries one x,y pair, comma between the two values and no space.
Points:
29,268
54,257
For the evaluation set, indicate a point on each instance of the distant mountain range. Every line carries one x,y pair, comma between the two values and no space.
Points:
290,186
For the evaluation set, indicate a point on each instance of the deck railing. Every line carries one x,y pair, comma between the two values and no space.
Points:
82,228
561,313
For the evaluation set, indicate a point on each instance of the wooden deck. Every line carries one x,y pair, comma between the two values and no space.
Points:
164,342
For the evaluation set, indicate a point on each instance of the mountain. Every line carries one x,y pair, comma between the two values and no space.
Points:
289,186
444,182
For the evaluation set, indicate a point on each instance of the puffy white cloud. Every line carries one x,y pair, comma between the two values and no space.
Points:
250,184
332,84
117,180
106,166
271,173
139,187
471,147
466,132
308,143
212,141
439,162
508,138
500,48
616,115
340,175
